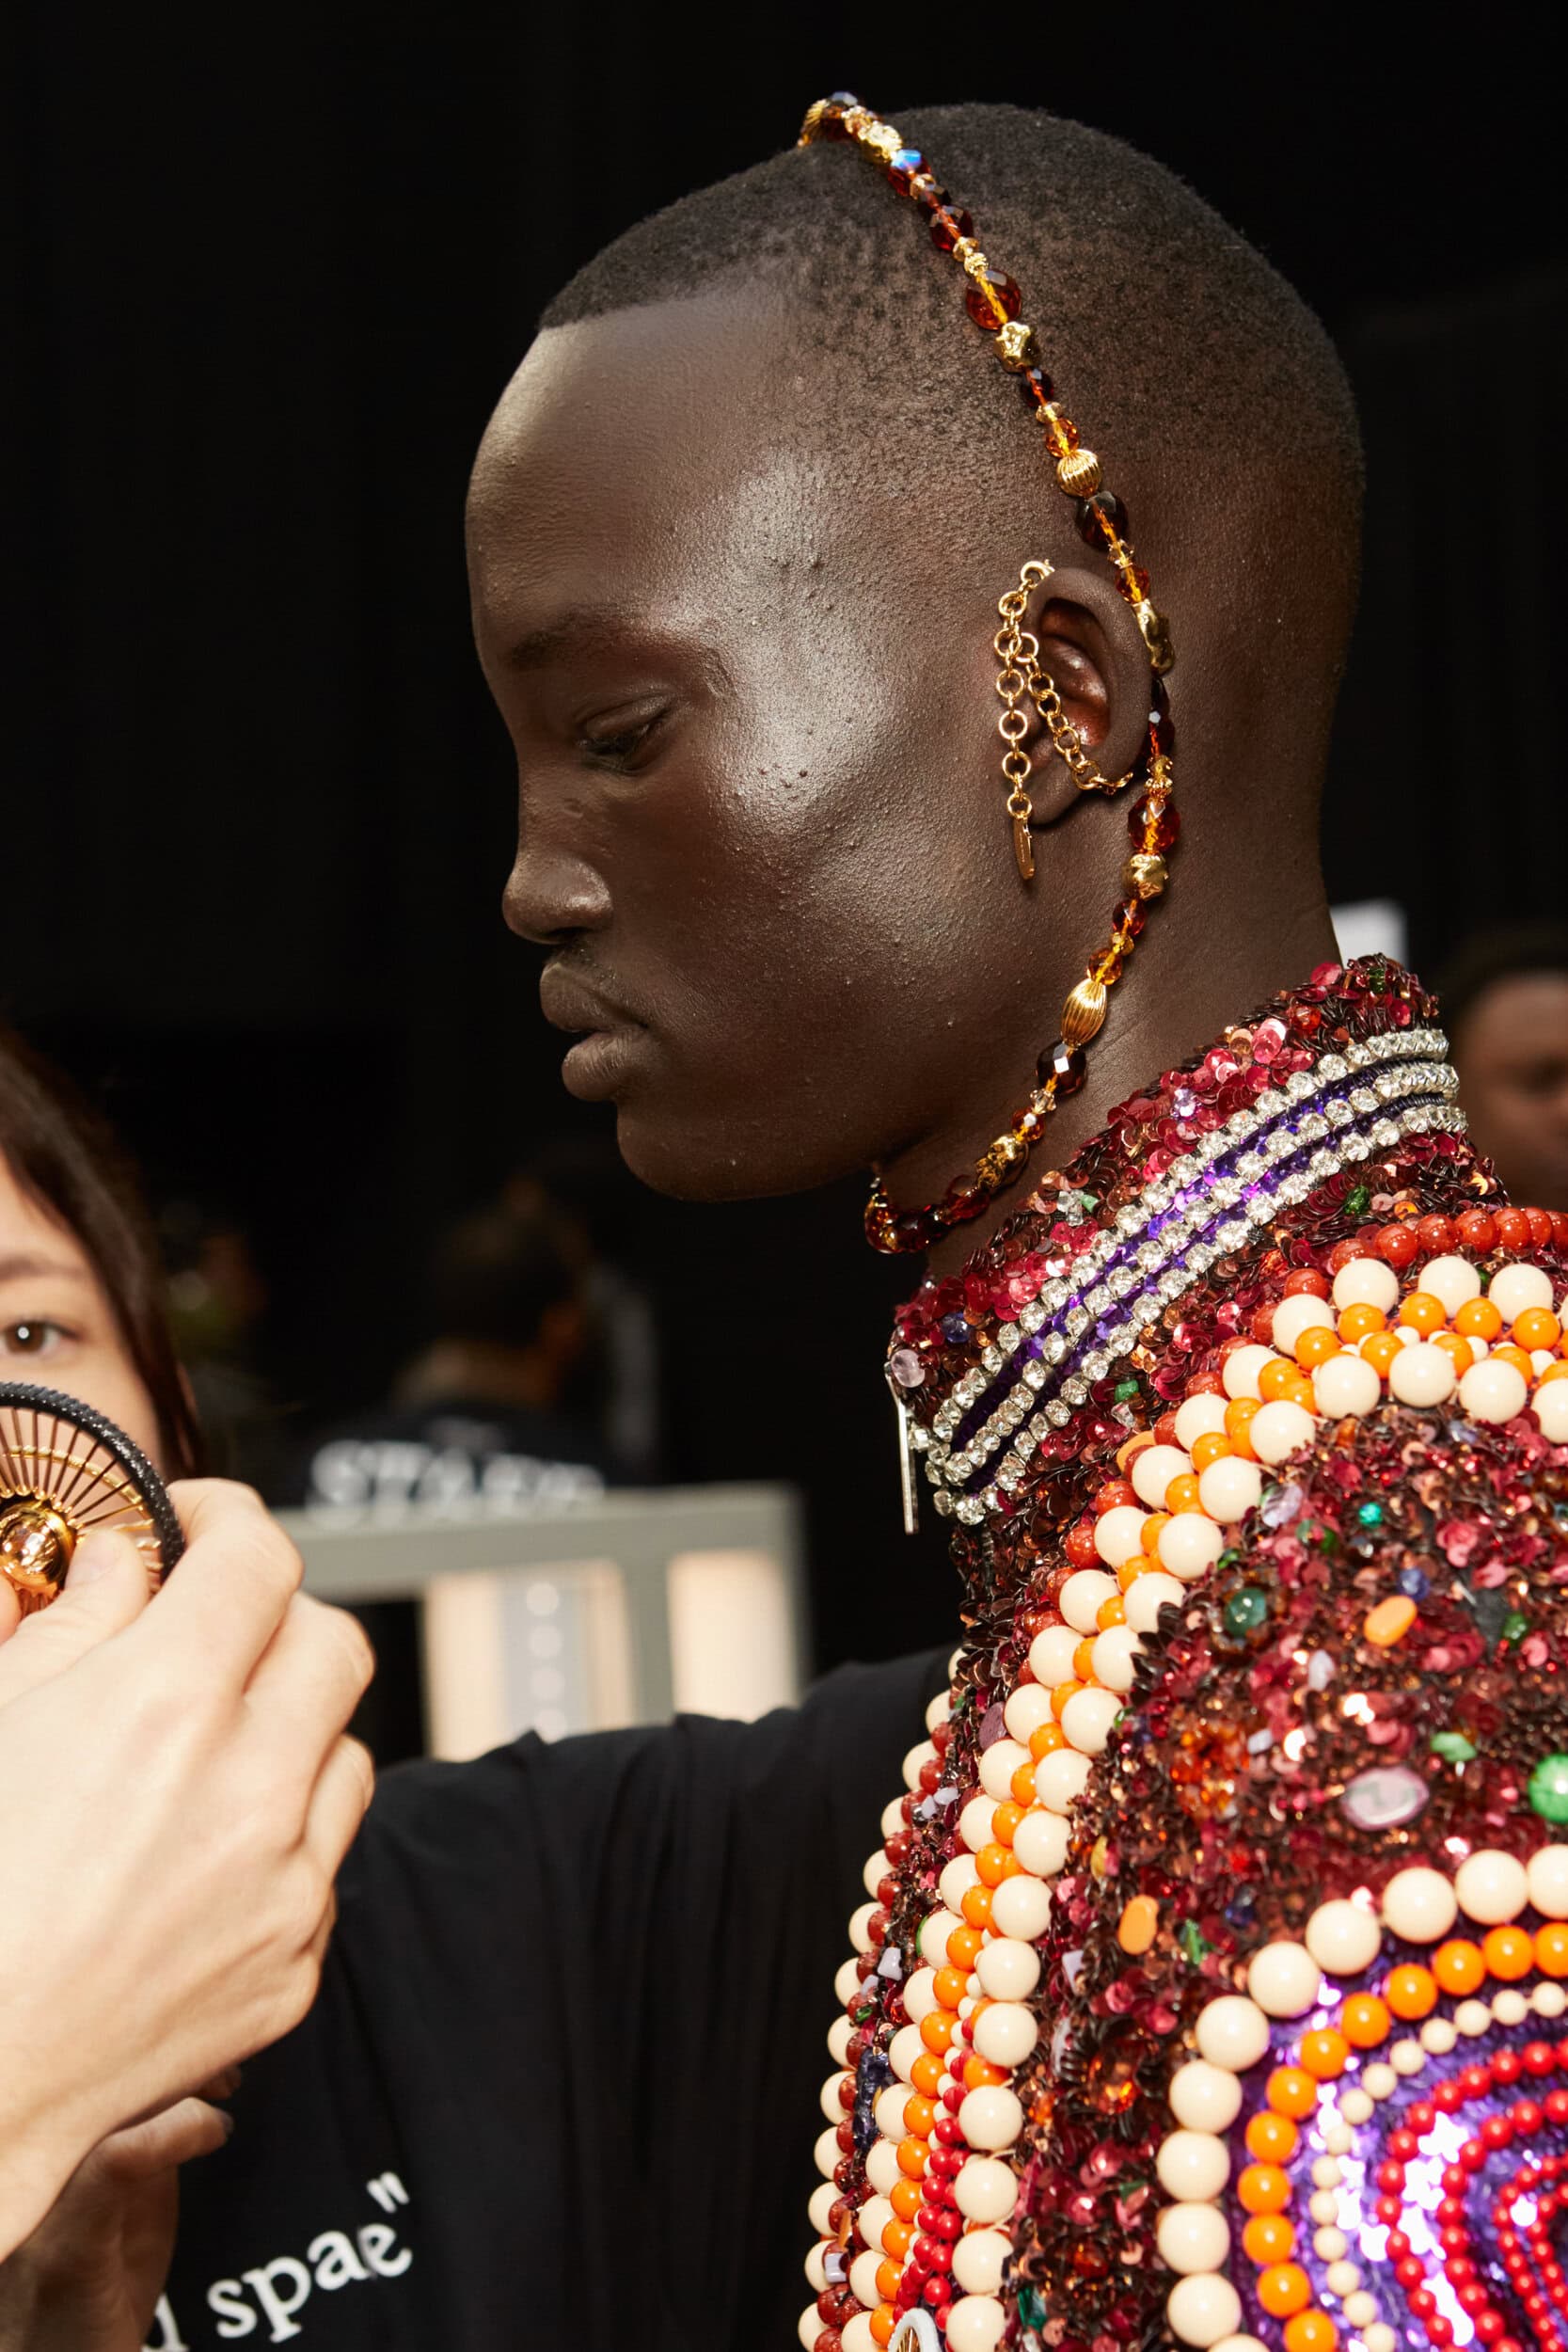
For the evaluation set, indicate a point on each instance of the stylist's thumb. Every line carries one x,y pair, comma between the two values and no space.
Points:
106,1590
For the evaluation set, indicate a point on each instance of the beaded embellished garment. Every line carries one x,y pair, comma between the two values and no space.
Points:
1209,1986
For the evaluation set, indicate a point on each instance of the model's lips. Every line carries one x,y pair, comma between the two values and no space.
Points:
608,1034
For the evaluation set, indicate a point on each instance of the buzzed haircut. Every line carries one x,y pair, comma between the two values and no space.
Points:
1209,390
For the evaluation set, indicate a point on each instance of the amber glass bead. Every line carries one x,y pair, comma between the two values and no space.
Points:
928,191
832,125
1130,915
992,299
1034,387
1100,519
949,222
1132,579
1151,828
903,166
1066,1066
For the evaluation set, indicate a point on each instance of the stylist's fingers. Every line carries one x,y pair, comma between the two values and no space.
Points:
338,1803
11,1610
105,1591
310,1680
189,2129
239,1572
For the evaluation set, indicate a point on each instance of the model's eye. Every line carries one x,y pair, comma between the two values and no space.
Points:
623,736
35,1337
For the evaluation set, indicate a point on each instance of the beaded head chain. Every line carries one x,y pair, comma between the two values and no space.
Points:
993,302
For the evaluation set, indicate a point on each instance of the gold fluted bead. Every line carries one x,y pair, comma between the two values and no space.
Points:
813,122
1079,472
1145,874
1083,1013
1016,346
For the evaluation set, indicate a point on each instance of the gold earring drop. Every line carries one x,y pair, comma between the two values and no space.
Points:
1019,653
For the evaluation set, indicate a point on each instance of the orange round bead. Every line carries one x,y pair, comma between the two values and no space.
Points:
1325,2053
927,2072
1424,1314
1556,1369
936,2029
1517,1356
1239,1413
1459,1350
1292,2091
1183,1494
1263,2188
1061,1695
1156,1521
1022,1786
1211,1446
1380,1351
1551,1948
1478,1319
949,1985
1315,1347
1110,1612
1359,1322
896,2234
976,1906
1283,2288
1276,1380
1510,1953
1365,2021
919,2115
1270,2138
1458,1965
1082,1658
964,1944
1005,1822
906,2197
1536,1328
913,2156
1268,2237
1045,1740
1310,2332
884,2318
1411,1992
979,2071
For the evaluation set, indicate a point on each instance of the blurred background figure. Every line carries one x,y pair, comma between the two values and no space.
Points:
217,1308
1505,997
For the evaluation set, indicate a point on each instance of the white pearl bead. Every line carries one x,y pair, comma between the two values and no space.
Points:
998,1763
1114,1657
1084,1596
1493,1390
1193,2164
1088,1718
1327,2172
874,2216
1551,1412
846,1979
1439,2036
1149,1594
1279,1429
974,1822
1549,1999
1203,2309
1206,2098
856,2334
1517,1287
1198,1416
978,2260
1509,2006
1118,1535
822,2196
1342,2279
1422,1375
892,1816
920,1993
1355,2106
816,2276
1284,1979
991,2117
1453,1282
1407,2058
1345,1385
1007,1970
1232,2032
1323,2205
876,1868
828,2100
810,2326
859,1932
1026,1710
1237,2344
935,1928
1040,1842
1376,2334
1239,1371
1365,1283
1344,1938
903,2050
976,2323
1006,2032
881,2164
826,2152
1300,1312
957,1877
918,1756
1191,2238
1153,1470
1419,1905
984,2189
838,2040
1229,1488
1050,1654
938,1709
1020,1907
1060,1777
1473,2018
1491,1886
1189,1544
1330,2244
1379,2080
862,2278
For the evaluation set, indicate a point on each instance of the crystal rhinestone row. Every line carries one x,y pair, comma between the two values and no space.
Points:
1039,1368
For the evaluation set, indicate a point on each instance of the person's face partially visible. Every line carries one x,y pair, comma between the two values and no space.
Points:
760,819
57,1330
1512,1054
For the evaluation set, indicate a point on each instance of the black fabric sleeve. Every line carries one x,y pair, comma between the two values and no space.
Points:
565,2066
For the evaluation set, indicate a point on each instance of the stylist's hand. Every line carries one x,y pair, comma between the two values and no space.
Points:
179,1798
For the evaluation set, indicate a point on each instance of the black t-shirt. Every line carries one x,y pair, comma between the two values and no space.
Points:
559,2087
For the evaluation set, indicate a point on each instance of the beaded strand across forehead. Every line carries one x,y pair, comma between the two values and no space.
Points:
993,302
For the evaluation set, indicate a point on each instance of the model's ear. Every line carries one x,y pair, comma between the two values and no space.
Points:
1091,650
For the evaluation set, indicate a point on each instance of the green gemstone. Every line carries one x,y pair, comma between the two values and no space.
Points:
1369,1514
1358,1202
1194,1943
1246,1611
1125,1392
1515,1626
1031,2307
1452,1746
1548,1789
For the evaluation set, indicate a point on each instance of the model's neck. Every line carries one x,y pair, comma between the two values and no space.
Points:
1182,988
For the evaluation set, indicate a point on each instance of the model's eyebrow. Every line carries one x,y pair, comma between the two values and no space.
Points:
23,1266
570,633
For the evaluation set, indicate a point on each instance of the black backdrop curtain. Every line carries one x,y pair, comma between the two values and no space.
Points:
266,274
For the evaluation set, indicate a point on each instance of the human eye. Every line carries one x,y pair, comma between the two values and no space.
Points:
623,738
32,1335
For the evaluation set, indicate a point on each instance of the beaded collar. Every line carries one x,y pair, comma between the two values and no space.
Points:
1048,1337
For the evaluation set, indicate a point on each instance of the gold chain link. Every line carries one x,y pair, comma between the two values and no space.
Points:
1018,651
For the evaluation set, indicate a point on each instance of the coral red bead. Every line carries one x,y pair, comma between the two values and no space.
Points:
1513,1227
1540,1227
1397,1246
